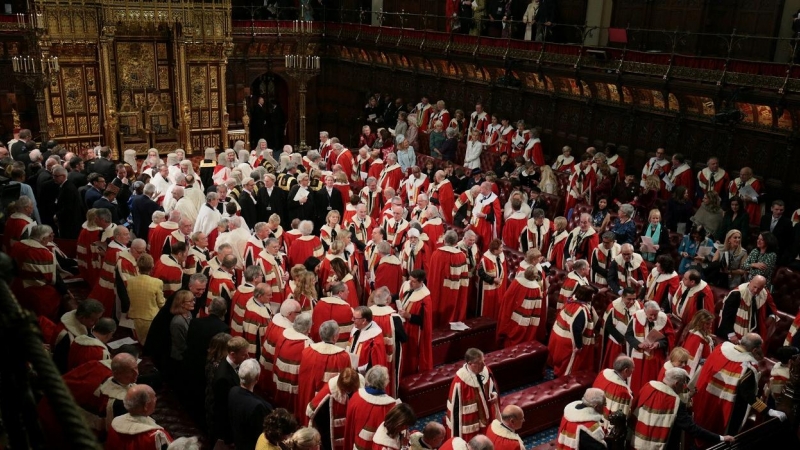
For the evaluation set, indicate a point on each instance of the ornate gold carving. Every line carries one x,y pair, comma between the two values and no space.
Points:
90,83
74,101
195,119
83,126
205,119
162,50
58,127
212,79
197,75
93,104
70,125
56,101
15,116
135,65
215,119
214,100
54,88
163,77
95,124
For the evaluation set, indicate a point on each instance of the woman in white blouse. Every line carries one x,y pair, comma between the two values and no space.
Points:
472,158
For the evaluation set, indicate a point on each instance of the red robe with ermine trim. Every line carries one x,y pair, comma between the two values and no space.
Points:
417,356
648,363
385,317
616,314
660,286
274,333
513,228
254,326
618,394
444,194
369,350
129,432
469,411
88,236
85,348
522,311
655,411
448,279
389,273
391,176
103,291
36,277
332,308
320,362
303,247
365,412
330,397
569,286
492,294
686,309
170,272
562,340
699,348
555,252
489,227
503,437
574,421
286,368
241,296
16,226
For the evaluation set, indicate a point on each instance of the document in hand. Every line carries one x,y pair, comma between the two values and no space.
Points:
647,244
301,194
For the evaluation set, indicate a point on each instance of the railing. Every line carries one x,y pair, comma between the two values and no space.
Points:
750,439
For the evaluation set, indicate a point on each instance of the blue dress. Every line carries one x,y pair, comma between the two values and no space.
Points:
690,246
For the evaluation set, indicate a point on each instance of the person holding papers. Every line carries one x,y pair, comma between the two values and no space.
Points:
696,250
650,336
655,237
301,203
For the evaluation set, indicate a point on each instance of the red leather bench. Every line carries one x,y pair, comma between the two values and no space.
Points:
544,403
450,346
786,284
513,367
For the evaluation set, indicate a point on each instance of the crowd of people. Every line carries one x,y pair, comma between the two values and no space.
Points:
274,293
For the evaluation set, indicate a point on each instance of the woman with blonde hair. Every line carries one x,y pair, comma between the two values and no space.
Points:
699,341
658,233
437,138
709,214
555,254
472,158
305,291
329,231
647,199
678,359
305,438
548,182
413,131
727,266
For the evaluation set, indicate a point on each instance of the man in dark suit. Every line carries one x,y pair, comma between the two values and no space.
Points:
93,190
248,204
327,199
76,175
781,227
68,208
258,121
107,202
120,180
272,200
246,410
142,209
225,379
21,146
104,166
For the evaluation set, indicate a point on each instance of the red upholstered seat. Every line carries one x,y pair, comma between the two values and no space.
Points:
450,346
719,297
544,403
778,334
786,284
513,367
555,205
513,260
68,246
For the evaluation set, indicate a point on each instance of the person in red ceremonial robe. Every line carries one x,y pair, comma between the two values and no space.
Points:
414,255
367,137
582,240
555,251
273,265
537,233
505,135
678,358
520,141
441,194
565,162
334,308
515,223
361,226
613,381
657,166
650,337
220,284
579,276
388,270
325,271
692,295
97,248
160,235
661,418
614,161
679,175
286,362
602,255
244,292
366,346
737,317
751,202
137,430
377,165
699,340
493,273
320,362
503,430
396,227
663,281
89,235
422,112
581,184
582,424
367,408
627,269
415,306
289,310
327,411
226,162
417,183
572,341
256,320
394,335
615,325
712,178
371,196
478,120
92,346
255,243
487,215
449,282
363,162
324,145
433,227
37,284
793,334
392,174
344,158
473,401
306,245
727,388
522,310
19,225
104,290
533,149
439,114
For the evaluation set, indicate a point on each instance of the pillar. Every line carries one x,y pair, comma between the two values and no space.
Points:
782,49
598,14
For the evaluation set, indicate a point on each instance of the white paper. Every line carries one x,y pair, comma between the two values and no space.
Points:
353,360
371,117
704,251
719,246
748,192
126,322
668,184
120,342
545,265
363,175
301,194
681,228
647,245
458,326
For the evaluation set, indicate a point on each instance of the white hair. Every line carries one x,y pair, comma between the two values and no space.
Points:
249,371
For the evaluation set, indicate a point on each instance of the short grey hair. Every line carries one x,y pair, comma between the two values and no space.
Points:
306,227
622,363
289,306
218,307
674,375
338,288
39,232
651,305
751,341
103,214
302,323
377,377
480,442
185,443
580,265
329,331
594,397
139,243
249,370
149,189
198,278
381,296
259,226
627,209
384,248
450,238
157,215
211,196
252,272
450,132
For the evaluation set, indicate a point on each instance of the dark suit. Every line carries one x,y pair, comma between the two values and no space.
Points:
296,210
198,337
325,202
225,379
68,211
46,195
249,208
272,204
91,195
106,168
783,232
142,209
123,196
246,412
77,178
103,202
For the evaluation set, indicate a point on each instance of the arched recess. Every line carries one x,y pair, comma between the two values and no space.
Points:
273,88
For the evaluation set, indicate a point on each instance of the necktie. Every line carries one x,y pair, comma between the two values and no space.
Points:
650,326
278,260
355,340
333,234
499,268
627,316
711,181
772,225
741,184
683,300
539,237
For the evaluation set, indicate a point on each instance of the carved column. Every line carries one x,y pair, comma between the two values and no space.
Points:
223,102
110,124
181,83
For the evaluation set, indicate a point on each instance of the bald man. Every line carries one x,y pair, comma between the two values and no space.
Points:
503,431
137,430
431,437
